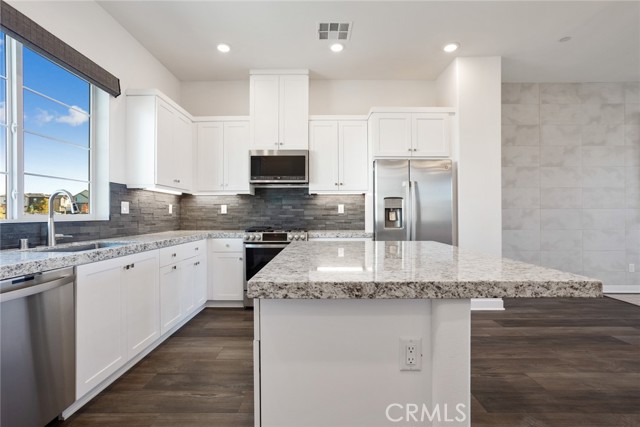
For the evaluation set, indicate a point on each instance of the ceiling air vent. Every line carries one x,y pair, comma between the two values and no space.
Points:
334,30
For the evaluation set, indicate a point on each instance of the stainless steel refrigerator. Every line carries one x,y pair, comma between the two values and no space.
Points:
413,200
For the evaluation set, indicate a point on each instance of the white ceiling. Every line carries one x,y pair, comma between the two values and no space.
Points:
390,39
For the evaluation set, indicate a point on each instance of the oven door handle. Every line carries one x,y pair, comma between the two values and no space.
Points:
265,245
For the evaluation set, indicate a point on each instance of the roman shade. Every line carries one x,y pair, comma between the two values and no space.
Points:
33,35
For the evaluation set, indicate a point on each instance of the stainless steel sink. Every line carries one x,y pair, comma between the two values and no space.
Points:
84,247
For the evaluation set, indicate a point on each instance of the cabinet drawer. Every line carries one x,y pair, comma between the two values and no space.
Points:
189,250
177,253
225,245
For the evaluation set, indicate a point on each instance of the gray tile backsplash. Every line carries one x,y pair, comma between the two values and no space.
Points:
149,213
276,207
571,178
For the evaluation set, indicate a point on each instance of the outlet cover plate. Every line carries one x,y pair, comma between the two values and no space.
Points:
223,209
124,207
410,354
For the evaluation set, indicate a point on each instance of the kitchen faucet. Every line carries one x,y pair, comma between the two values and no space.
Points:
51,228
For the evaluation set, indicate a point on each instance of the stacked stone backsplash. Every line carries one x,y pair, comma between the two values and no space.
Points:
276,207
149,213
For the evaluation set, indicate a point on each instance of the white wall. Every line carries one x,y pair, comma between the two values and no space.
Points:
228,98
216,98
358,96
88,28
478,98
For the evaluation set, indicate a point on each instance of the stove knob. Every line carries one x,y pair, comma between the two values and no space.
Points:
252,237
246,236
259,237
303,237
290,236
297,237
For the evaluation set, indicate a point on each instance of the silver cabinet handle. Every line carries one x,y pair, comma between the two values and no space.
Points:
335,183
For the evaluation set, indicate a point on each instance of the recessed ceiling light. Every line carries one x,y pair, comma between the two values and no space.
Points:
565,39
224,48
336,47
451,47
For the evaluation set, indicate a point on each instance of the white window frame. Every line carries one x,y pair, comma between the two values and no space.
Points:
98,147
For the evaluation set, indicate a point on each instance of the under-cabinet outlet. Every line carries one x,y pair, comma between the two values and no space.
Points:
410,354
340,208
223,209
124,207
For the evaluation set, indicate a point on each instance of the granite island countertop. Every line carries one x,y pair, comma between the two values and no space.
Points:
15,262
413,270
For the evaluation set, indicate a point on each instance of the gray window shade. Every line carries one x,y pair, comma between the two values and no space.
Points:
33,35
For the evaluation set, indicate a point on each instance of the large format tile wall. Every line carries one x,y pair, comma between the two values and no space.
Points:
149,213
276,207
571,178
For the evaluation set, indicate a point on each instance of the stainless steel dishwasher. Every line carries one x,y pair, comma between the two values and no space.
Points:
37,347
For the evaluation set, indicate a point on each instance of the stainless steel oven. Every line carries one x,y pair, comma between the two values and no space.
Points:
262,246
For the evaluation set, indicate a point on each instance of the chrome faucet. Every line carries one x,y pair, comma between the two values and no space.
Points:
51,228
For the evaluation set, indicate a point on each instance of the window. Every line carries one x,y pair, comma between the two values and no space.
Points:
47,141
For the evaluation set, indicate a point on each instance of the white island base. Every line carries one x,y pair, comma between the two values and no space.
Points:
336,362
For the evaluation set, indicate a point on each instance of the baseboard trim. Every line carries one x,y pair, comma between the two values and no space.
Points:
223,304
487,304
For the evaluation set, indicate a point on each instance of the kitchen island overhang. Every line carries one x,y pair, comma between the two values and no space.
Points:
331,319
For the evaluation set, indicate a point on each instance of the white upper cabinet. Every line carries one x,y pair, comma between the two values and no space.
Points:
159,141
279,110
222,157
338,156
410,134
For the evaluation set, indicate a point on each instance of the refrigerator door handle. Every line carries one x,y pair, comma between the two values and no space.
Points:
407,207
414,210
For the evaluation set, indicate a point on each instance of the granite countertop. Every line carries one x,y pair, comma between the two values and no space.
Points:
415,270
340,234
15,262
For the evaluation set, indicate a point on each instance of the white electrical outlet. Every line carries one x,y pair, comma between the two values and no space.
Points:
124,207
410,354
341,252
340,208
223,209
632,268
170,208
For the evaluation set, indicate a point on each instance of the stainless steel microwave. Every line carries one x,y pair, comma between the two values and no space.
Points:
279,166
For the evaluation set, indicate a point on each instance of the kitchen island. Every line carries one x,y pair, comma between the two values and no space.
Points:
378,333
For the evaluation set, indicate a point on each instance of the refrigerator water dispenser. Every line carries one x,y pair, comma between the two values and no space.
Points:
393,212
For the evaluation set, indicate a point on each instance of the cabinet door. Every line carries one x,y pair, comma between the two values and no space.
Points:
101,339
170,297
183,151
210,157
323,156
264,110
391,134
354,160
187,286
165,152
431,135
236,153
227,272
200,280
141,284
294,112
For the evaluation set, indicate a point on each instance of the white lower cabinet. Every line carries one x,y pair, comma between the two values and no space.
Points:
183,281
226,276
124,305
116,315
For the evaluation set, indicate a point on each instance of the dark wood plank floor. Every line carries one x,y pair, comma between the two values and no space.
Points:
540,363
